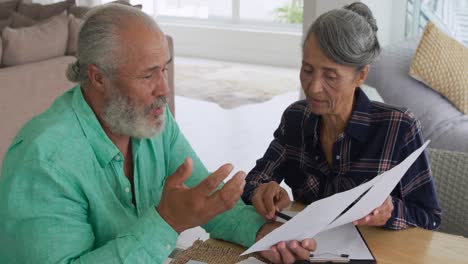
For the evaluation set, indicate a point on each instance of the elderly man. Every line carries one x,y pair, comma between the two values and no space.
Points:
105,176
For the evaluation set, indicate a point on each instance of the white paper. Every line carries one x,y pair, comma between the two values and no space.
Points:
312,219
319,215
251,260
379,192
344,239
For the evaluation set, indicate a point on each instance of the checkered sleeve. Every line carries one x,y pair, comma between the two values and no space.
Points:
415,199
269,167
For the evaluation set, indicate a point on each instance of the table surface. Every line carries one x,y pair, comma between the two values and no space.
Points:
409,246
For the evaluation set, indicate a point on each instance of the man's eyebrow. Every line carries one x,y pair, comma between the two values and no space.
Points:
157,66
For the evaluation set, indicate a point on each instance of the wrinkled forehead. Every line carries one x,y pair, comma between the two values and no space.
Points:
140,40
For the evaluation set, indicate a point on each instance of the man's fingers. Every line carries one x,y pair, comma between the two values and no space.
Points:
182,173
209,184
229,194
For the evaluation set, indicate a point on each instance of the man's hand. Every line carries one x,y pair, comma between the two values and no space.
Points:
269,198
183,208
282,252
379,216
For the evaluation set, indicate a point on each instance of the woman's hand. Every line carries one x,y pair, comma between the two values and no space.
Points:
269,198
285,252
379,216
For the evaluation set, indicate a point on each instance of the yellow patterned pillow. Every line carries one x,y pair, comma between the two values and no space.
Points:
441,63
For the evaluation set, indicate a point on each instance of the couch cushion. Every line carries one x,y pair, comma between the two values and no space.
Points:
1,50
74,25
389,75
441,62
41,12
30,10
4,23
18,20
80,11
42,41
27,90
7,7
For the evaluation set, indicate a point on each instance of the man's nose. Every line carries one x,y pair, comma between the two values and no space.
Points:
161,87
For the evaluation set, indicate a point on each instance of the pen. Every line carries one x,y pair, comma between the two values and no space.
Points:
283,216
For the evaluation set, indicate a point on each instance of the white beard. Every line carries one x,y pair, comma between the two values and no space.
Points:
124,117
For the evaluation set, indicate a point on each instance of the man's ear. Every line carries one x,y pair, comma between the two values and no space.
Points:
362,75
96,78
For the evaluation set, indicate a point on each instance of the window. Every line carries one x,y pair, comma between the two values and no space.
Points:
450,15
282,14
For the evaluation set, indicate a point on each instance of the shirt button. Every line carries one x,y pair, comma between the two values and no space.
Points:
127,190
117,158
337,157
168,247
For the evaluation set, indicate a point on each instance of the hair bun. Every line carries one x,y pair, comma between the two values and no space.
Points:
73,72
364,11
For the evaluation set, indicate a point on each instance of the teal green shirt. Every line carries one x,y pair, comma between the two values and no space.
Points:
65,199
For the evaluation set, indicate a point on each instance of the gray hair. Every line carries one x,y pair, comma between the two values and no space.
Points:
348,36
98,40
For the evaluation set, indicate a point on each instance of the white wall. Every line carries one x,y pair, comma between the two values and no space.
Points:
390,15
276,48
236,44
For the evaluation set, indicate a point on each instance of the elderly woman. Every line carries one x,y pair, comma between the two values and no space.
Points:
337,138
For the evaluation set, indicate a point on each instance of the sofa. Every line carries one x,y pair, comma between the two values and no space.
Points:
441,121
31,85
449,169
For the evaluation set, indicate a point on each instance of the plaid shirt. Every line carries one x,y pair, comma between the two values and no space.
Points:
376,138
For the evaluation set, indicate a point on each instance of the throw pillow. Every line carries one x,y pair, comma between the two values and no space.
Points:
42,41
1,50
32,11
441,63
74,25
78,11
18,20
42,12
4,23
127,3
7,7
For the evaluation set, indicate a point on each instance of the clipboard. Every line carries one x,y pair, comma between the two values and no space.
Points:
334,255
329,249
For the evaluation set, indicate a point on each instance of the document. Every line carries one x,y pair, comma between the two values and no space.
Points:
328,213
342,240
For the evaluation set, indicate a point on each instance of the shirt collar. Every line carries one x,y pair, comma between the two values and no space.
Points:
103,147
358,125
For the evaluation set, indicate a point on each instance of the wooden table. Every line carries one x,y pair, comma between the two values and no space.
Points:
409,246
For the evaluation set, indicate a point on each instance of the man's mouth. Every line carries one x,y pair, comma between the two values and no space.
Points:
158,111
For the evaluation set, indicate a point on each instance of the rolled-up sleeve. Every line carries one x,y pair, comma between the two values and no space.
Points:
45,219
415,199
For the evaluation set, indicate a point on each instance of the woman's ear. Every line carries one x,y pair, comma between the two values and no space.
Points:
362,75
